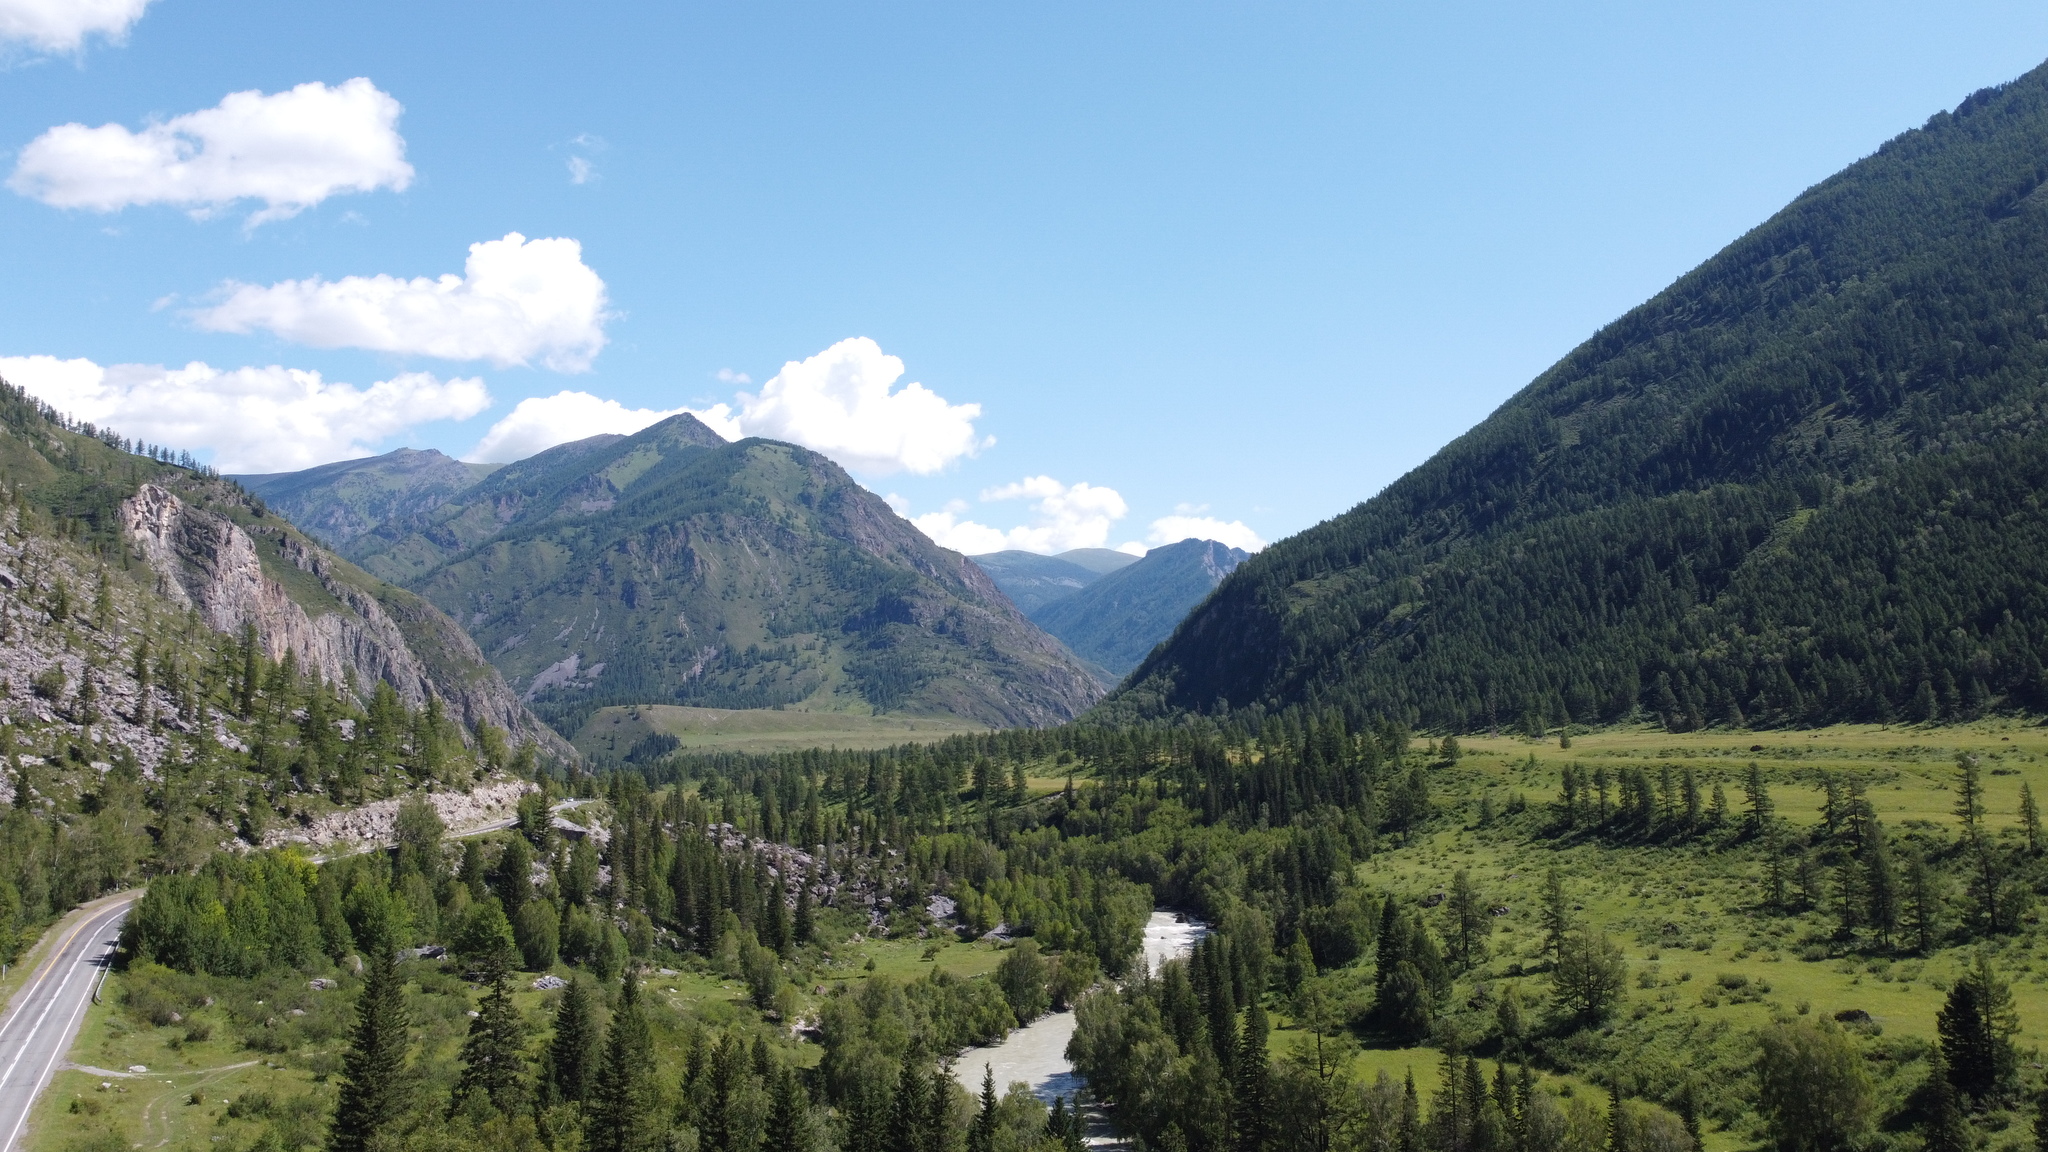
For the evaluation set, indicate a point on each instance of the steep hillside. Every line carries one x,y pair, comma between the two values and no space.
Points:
1116,620
341,501
1032,581
200,547
670,567
1804,483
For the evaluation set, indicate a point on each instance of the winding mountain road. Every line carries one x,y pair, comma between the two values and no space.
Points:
45,1014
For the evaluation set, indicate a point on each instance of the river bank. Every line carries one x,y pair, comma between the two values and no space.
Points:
1036,1054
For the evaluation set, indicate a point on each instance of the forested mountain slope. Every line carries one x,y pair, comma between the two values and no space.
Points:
670,567
1116,620
1804,483
180,668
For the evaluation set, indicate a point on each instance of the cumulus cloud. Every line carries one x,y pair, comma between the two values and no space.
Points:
65,25
291,150
840,402
270,419
1063,516
1174,529
517,300
541,422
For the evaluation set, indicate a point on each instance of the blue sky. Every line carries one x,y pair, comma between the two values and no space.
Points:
1237,264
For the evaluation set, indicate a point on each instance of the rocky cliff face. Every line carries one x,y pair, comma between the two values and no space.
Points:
330,624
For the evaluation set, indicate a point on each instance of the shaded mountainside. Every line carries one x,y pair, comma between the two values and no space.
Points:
1802,484
341,501
200,546
1032,581
672,567
1116,620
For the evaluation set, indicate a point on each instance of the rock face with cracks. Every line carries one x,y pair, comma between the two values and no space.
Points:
303,601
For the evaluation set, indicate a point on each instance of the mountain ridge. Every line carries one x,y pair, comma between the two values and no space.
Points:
673,567
1600,547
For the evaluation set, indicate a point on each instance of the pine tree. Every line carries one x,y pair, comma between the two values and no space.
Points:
804,927
1251,1097
1557,912
981,1137
1758,795
494,1055
1946,1130
911,1109
789,1116
375,1081
572,1055
1880,886
621,1115
1976,1026
1469,919
2030,818
1923,904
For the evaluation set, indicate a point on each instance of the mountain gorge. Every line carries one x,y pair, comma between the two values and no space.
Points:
1802,484
672,567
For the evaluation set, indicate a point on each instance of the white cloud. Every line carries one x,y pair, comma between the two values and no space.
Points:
728,376
839,403
517,300
1062,517
64,25
1174,529
541,422
254,419
581,171
290,150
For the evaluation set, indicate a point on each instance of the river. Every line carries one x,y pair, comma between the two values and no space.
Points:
1036,1054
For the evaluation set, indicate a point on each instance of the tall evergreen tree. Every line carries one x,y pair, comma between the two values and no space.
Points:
1976,1026
375,1080
494,1055
1556,914
1252,1094
621,1112
981,1137
572,1054
789,1115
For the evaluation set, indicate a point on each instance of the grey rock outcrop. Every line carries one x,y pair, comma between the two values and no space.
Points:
333,626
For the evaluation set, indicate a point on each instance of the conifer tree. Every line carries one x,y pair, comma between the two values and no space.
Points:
1557,912
1758,796
1946,1129
789,1115
981,1137
804,927
374,1085
910,1111
1251,1095
494,1055
2030,818
1880,886
621,1112
572,1054
1923,904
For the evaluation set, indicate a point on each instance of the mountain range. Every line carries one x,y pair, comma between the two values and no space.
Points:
672,567
1805,483
1109,607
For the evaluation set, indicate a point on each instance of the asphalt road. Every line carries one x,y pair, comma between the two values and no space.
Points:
44,1017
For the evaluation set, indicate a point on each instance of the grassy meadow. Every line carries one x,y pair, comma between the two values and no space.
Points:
613,732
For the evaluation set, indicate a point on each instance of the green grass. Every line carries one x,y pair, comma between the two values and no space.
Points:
614,731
